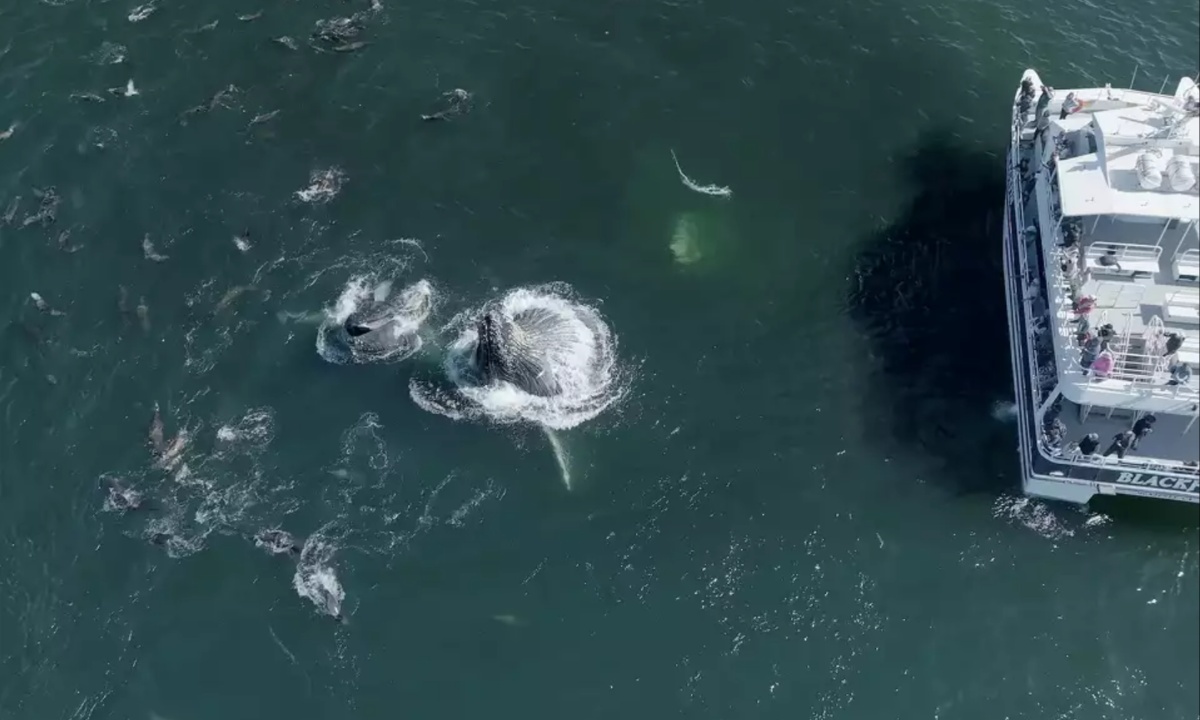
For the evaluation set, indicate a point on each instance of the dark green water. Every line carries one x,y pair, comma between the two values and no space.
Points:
802,508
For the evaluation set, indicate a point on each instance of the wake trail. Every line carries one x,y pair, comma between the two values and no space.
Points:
282,647
714,190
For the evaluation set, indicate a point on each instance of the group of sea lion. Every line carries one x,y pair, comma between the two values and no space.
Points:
167,457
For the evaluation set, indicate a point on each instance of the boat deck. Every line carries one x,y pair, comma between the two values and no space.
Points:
1141,269
1135,257
1174,441
1141,292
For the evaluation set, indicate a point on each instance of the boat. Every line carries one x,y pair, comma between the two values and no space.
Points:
1102,282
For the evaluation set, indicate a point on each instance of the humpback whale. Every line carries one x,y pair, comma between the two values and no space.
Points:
387,328
509,349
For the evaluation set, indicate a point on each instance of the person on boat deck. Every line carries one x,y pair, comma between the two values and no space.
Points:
1043,111
1053,433
1103,364
1083,330
1181,373
1191,106
1089,444
1121,442
1174,342
1070,105
1142,428
1090,351
1109,260
1026,100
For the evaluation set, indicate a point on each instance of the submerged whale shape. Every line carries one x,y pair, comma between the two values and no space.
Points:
512,349
388,327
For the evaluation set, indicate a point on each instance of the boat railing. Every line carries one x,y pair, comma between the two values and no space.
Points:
1038,389
1122,258
1186,266
1131,370
1132,462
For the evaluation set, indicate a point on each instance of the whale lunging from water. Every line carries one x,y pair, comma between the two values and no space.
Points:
388,327
513,349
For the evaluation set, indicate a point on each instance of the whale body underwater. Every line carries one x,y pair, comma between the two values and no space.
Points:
510,349
387,328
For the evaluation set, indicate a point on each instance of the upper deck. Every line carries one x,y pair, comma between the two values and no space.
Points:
1118,210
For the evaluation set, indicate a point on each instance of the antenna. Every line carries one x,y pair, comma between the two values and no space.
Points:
1135,72
1163,89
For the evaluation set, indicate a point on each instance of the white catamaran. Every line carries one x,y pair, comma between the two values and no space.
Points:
1102,276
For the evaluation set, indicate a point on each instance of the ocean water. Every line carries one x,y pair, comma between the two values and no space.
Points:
783,486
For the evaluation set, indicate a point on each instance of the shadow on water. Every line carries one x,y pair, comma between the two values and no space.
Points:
928,291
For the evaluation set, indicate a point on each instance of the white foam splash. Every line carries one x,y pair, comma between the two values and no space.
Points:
109,53
141,12
316,580
584,364
254,430
1034,515
323,186
365,433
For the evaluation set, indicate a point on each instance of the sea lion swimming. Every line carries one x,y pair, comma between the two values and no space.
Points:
277,542
48,208
339,30
11,211
120,496
507,349
65,244
166,454
387,328
40,303
454,103
149,252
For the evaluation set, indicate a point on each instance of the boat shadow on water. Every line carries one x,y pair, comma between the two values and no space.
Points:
927,289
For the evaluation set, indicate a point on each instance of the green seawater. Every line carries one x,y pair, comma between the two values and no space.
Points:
801,506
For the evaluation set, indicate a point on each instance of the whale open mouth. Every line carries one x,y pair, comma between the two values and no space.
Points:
537,354
507,351
384,327
357,330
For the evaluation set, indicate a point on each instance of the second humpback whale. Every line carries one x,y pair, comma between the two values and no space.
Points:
387,328
512,349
